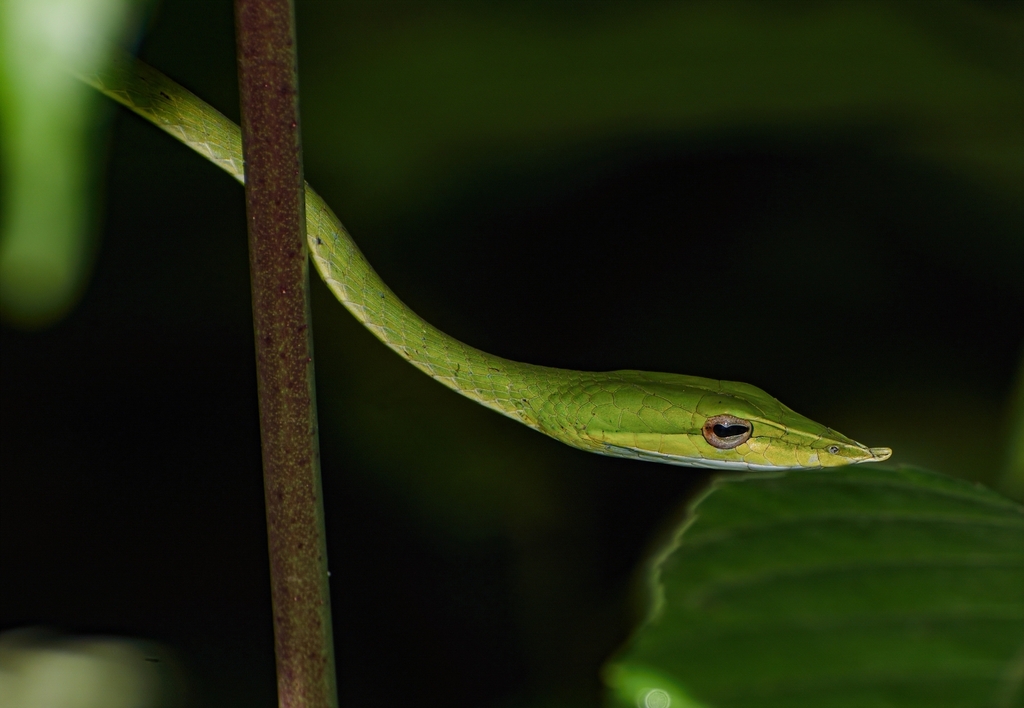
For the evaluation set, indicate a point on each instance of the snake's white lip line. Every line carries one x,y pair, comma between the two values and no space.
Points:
878,454
617,451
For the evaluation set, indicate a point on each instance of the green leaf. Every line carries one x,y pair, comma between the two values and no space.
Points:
48,131
863,587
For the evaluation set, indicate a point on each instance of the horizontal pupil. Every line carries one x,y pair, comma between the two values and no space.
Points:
730,431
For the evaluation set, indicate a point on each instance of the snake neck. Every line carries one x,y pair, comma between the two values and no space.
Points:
506,386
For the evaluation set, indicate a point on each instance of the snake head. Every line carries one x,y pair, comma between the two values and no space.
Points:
697,422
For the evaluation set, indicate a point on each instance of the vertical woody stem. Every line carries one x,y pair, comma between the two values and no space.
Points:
275,206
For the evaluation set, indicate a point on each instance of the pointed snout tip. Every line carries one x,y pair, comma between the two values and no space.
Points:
880,453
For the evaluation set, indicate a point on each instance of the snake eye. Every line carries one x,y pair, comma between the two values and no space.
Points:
834,449
726,431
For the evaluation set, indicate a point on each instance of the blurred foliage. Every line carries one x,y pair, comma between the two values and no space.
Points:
41,670
820,199
48,140
864,587
501,78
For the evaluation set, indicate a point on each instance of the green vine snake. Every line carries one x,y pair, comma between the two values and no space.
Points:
669,418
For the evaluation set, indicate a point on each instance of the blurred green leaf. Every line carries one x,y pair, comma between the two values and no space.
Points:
944,81
864,587
47,130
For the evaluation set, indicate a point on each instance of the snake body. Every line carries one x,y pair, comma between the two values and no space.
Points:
669,418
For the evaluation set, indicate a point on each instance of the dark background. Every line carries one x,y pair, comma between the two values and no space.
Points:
821,199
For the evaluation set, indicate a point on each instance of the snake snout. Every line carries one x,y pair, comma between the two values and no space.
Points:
880,453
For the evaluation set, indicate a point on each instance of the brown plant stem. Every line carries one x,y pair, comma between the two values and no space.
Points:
279,264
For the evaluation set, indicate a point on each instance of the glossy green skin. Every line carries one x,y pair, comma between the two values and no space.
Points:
635,414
